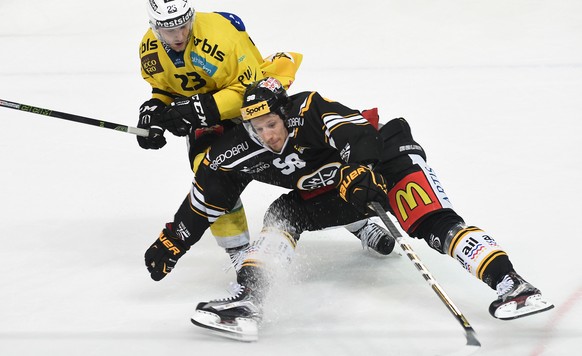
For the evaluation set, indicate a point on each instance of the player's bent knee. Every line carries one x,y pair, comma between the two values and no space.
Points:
278,216
398,141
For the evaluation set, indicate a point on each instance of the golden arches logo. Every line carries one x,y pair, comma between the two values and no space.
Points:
408,196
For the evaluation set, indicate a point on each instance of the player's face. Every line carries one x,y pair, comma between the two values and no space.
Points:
271,130
177,37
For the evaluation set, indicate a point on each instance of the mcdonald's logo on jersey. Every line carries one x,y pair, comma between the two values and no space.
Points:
408,196
412,198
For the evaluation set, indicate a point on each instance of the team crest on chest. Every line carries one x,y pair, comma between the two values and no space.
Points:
323,177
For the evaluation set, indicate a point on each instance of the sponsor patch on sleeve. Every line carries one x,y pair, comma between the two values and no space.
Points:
151,64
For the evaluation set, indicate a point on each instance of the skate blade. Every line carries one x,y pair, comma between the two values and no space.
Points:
533,304
241,329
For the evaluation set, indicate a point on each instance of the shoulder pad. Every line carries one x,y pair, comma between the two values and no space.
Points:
234,20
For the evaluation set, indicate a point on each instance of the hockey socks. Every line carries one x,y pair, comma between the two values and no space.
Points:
479,254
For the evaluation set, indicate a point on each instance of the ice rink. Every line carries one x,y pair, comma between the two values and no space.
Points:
492,90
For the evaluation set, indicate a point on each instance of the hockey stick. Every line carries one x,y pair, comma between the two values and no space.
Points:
81,119
469,332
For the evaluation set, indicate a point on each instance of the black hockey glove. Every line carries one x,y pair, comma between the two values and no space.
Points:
359,185
164,253
149,117
184,115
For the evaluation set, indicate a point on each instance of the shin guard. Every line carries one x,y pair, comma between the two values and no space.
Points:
273,248
417,195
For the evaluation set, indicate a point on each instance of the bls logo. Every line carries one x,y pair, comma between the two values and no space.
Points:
210,49
149,45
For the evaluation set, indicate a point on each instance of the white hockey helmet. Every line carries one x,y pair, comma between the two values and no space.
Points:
169,13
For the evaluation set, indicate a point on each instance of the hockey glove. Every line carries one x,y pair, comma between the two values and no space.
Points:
184,115
359,185
149,117
164,253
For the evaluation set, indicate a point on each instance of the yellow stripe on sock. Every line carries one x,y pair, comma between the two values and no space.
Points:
251,263
459,236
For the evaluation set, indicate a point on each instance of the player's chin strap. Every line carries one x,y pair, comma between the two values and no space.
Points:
469,332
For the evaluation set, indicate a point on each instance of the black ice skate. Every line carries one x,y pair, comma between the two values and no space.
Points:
375,237
517,298
236,317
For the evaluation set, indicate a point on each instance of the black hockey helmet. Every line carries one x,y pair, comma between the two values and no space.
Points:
265,96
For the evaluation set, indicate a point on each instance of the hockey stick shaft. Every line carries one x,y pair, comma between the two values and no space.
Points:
76,118
469,332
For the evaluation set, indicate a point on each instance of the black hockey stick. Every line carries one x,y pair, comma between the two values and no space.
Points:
81,119
469,332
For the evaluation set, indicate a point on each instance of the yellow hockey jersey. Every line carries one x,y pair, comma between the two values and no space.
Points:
220,58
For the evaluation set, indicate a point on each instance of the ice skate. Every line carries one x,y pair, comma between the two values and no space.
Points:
236,317
517,298
374,237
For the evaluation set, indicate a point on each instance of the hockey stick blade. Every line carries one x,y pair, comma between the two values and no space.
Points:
76,118
472,346
470,334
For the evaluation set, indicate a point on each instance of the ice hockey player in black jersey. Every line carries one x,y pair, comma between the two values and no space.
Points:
198,65
335,163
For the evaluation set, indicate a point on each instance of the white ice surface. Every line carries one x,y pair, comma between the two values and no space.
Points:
492,89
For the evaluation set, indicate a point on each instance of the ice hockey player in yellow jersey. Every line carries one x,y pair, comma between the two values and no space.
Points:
199,65
208,56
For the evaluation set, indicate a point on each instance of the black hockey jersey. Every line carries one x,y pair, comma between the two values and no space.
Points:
323,135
